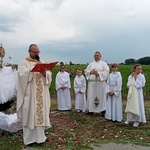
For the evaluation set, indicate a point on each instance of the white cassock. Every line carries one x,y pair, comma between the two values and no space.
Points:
80,85
135,101
33,102
63,96
114,103
97,85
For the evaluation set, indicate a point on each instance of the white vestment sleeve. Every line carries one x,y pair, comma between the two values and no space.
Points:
57,84
83,89
107,85
118,86
76,89
68,85
129,80
104,74
24,77
24,70
140,82
48,78
87,71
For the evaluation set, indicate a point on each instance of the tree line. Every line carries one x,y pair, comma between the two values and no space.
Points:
129,61
142,61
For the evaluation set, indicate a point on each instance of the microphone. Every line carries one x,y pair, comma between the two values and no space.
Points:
37,57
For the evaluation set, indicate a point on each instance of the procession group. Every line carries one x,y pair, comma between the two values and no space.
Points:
103,94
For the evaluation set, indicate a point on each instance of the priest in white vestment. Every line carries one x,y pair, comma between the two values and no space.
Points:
135,100
62,84
97,73
114,98
33,98
80,89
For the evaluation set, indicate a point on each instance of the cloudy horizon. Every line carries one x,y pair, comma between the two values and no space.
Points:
72,30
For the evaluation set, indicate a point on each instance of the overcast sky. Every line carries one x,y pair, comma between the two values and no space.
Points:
72,30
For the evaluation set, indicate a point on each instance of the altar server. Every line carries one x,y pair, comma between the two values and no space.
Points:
135,100
63,86
114,98
80,90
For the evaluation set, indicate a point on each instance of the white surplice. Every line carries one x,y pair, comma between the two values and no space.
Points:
8,84
139,83
80,85
33,102
97,85
114,103
63,96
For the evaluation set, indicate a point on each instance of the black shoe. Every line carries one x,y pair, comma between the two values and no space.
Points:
103,114
68,110
89,113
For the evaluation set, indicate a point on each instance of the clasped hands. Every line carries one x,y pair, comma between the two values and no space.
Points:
110,93
62,87
94,72
80,91
134,75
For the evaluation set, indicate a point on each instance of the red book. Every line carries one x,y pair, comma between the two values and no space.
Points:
41,67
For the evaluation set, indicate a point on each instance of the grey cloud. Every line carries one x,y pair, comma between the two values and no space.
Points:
6,28
119,29
58,3
9,21
75,51
6,24
67,45
49,4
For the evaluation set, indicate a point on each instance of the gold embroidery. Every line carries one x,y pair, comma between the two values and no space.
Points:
39,98
31,59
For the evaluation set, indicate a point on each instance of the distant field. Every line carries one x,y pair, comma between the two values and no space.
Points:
124,69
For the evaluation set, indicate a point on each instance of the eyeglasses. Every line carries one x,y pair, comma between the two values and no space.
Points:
35,52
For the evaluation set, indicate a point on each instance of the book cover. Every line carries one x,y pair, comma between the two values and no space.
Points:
42,67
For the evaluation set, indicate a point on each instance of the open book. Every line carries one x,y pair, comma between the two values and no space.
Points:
41,67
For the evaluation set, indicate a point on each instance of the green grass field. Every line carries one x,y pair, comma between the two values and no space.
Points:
77,131
125,72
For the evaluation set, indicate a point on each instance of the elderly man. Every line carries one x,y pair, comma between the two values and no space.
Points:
33,98
96,74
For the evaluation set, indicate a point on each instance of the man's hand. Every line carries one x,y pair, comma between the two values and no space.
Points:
111,93
43,73
79,91
92,71
96,73
63,87
134,75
